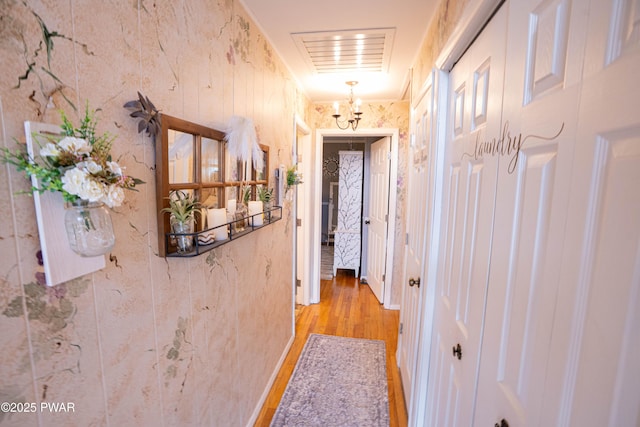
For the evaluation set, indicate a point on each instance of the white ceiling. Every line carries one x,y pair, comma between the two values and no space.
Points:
406,21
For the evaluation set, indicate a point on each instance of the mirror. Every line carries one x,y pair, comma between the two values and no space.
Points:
181,150
211,168
191,158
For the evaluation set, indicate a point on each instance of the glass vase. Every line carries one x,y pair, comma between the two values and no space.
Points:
184,240
266,208
89,228
241,217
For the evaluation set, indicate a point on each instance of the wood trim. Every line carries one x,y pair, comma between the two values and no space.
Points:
163,187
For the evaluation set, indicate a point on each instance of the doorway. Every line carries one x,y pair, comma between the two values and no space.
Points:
318,230
302,253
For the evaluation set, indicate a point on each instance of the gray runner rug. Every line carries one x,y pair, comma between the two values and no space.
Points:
337,381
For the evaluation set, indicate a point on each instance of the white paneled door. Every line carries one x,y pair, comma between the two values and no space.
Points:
541,100
417,220
474,116
378,216
539,273
594,364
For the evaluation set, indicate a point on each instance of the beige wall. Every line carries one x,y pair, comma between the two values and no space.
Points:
147,340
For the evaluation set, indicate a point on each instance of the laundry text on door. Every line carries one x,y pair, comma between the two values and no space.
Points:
506,145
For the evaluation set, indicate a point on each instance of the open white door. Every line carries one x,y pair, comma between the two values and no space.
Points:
378,216
304,249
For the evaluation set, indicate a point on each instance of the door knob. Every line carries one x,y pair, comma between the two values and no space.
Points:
503,423
457,351
366,221
414,282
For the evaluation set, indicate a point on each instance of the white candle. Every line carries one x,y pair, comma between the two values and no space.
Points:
336,106
255,208
231,206
216,217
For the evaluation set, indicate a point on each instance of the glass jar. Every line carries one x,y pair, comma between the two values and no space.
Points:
183,235
241,217
266,208
89,228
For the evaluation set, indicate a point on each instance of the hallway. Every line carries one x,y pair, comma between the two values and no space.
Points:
348,309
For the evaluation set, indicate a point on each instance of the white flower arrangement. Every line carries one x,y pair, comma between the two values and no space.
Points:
79,165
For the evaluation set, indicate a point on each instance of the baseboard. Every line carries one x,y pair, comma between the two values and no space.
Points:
394,307
272,379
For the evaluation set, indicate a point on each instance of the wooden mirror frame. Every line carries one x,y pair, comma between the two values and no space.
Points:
164,187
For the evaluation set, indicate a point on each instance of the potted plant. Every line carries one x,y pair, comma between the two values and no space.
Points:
242,208
182,209
265,195
245,192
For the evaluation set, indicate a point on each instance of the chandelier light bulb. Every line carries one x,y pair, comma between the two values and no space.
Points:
354,111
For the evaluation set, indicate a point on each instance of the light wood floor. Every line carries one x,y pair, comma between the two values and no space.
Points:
347,308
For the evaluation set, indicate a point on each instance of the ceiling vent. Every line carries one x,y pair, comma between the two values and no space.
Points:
347,51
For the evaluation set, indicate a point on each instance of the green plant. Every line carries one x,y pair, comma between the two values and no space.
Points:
265,194
245,193
293,176
182,207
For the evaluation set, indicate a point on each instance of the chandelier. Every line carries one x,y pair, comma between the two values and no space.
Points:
354,113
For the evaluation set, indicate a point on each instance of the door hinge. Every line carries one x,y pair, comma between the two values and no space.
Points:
298,283
299,222
384,276
401,327
386,217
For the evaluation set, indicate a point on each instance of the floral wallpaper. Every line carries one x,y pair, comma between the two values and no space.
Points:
146,340
442,26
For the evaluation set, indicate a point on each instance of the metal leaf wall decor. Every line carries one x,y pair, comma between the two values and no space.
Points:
143,109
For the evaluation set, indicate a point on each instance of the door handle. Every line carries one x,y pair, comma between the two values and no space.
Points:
457,351
414,282
503,423
366,221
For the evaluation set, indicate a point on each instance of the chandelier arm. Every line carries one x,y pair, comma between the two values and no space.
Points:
346,123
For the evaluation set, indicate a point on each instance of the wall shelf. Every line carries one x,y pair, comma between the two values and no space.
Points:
269,217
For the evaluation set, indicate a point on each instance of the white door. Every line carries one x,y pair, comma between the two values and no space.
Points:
595,352
541,100
378,216
304,247
417,220
475,94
